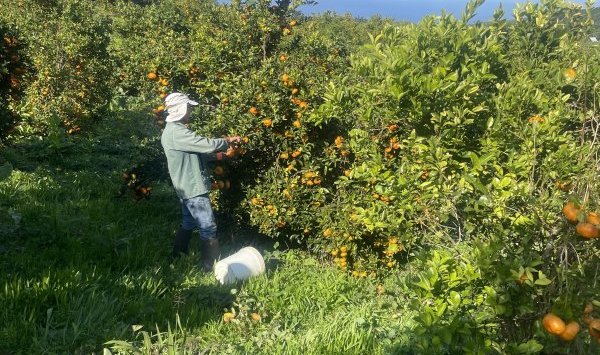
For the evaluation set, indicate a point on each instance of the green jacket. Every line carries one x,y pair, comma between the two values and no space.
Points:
187,156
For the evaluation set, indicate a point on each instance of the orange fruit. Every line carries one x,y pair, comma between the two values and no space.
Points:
285,77
295,91
570,73
571,211
587,230
293,23
228,317
339,141
347,172
570,332
392,127
296,153
255,317
283,57
267,122
219,170
286,31
327,232
253,110
284,155
564,185
164,82
220,184
297,123
553,324
593,218
246,140
152,76
594,328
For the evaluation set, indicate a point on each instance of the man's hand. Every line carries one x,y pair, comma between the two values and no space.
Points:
233,140
232,152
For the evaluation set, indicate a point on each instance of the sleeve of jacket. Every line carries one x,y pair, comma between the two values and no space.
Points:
188,141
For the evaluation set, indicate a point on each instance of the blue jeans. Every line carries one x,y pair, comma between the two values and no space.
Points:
198,213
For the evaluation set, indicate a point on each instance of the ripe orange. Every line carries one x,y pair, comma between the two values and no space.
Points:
253,110
339,141
570,332
228,317
152,76
327,232
283,57
571,211
286,31
296,153
347,172
570,73
392,127
285,77
587,230
593,218
267,122
594,328
297,123
564,185
293,23
220,184
553,324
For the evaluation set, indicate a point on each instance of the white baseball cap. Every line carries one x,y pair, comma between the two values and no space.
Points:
176,105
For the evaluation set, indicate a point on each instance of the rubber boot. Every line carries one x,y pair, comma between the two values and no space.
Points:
181,243
210,253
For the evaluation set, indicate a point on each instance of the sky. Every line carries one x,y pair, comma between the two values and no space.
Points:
409,10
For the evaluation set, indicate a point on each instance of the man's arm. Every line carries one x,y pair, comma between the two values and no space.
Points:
185,140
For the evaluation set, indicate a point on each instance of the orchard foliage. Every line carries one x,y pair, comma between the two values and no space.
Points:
12,69
446,148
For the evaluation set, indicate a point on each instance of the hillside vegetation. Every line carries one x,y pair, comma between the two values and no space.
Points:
415,188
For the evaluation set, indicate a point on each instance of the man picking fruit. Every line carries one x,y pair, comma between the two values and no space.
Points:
187,156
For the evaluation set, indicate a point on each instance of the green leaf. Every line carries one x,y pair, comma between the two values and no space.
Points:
543,282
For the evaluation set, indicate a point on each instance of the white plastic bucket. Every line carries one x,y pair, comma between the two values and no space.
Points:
242,265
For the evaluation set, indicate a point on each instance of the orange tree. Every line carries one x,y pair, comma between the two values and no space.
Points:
12,68
449,134
69,80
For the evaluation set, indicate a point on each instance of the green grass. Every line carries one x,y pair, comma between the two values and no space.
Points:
84,269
